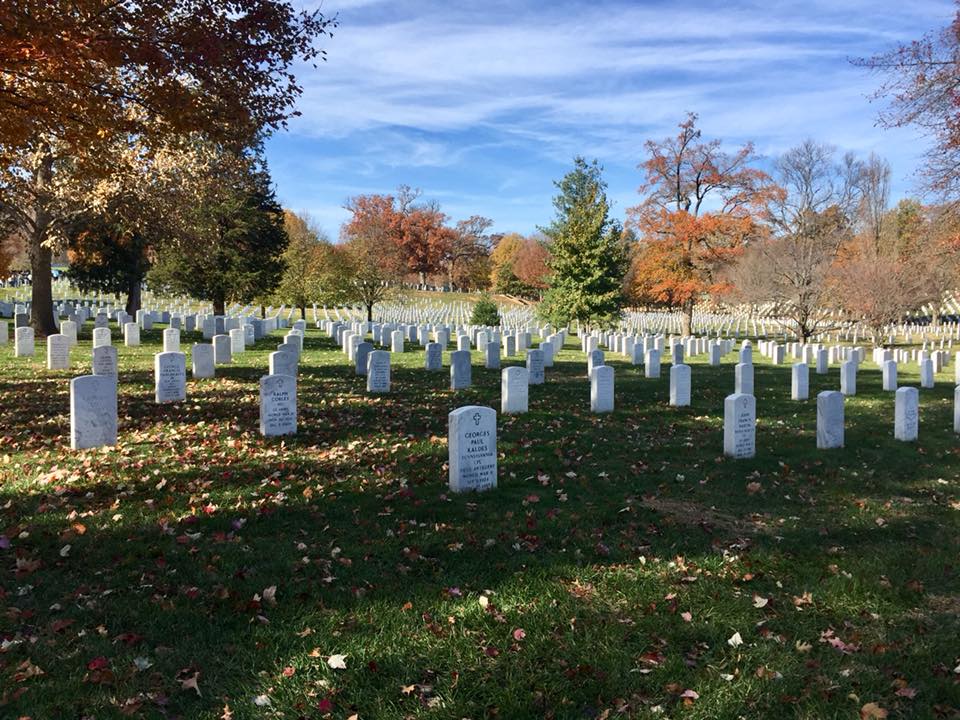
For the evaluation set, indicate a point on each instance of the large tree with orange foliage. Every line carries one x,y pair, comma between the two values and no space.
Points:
78,78
418,231
701,204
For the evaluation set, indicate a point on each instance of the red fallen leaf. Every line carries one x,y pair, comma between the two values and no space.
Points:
325,705
289,671
519,634
906,692
491,651
98,663
60,625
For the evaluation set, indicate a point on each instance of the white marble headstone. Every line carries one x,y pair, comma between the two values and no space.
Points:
278,405
93,412
202,360
514,390
740,426
170,377
472,445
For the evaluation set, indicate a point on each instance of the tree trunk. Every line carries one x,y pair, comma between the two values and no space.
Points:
41,294
303,312
41,256
263,311
134,295
219,306
369,313
686,321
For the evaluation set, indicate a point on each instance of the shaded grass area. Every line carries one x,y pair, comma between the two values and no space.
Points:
201,571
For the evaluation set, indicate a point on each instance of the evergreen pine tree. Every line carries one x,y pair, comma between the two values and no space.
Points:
588,255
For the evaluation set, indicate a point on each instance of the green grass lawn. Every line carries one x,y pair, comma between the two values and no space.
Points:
201,571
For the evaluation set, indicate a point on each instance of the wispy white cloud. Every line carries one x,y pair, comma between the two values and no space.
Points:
455,96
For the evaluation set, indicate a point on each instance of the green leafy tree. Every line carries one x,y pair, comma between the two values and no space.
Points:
235,252
588,256
108,254
306,261
485,312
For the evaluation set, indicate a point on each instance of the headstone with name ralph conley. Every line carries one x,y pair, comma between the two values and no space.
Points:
472,444
93,412
278,405
740,426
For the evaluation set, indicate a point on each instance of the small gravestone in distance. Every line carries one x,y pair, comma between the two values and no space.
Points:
830,432
740,426
170,377
823,361
460,370
208,327
906,424
171,340
222,354
433,359
800,385
378,371
278,405
848,378
743,378
472,443
68,328
93,412
510,345
956,409
595,359
105,361
360,355
202,359
102,336
131,334
926,373
890,375
746,353
514,390
238,340
535,367
492,359
651,363
601,389
23,342
679,385
58,352
396,341
283,362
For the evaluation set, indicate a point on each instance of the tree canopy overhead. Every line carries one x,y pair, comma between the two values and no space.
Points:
81,69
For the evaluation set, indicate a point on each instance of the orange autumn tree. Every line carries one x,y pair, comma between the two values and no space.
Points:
701,205
417,231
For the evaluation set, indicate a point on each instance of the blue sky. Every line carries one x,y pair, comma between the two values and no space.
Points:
483,105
